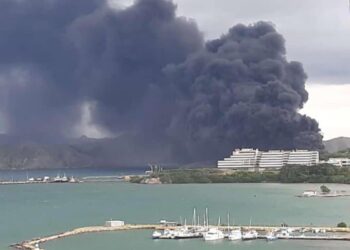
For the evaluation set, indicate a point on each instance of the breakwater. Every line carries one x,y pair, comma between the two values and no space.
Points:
339,233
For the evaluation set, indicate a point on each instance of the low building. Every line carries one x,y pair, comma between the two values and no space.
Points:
253,159
114,223
339,162
168,223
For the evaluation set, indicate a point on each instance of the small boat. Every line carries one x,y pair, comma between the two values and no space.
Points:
64,178
308,193
250,235
213,234
73,180
271,237
58,178
284,234
168,234
156,235
235,234
187,234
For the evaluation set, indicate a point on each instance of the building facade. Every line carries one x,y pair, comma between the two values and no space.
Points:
253,159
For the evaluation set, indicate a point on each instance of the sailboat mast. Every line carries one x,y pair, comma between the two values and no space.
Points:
194,217
204,220
228,221
207,217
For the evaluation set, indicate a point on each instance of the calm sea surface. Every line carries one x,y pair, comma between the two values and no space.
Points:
27,211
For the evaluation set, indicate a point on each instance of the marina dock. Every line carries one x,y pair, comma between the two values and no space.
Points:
334,233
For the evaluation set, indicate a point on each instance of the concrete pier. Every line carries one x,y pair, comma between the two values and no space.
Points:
31,244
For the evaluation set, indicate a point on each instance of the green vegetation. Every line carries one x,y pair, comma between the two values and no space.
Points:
214,176
342,224
325,189
322,173
136,179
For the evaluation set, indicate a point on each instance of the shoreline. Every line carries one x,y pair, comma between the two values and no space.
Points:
124,179
31,244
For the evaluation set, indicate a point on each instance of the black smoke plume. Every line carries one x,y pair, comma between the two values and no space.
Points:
240,91
146,72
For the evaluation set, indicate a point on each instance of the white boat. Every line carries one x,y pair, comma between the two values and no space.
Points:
156,235
235,234
185,233
309,193
167,234
64,178
73,180
250,235
213,234
284,234
271,236
58,178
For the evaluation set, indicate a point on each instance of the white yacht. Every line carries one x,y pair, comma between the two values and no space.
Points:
250,235
168,234
284,234
64,178
156,235
235,234
185,233
213,234
271,236
58,178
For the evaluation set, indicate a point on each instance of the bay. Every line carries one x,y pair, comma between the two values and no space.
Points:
28,211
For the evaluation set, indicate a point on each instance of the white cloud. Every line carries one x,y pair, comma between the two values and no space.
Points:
330,106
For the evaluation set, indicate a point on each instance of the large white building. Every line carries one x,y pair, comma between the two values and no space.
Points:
253,159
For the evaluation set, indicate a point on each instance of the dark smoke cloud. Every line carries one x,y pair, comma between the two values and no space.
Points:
38,91
240,91
145,71
122,54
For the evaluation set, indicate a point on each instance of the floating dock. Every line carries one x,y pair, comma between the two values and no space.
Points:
343,233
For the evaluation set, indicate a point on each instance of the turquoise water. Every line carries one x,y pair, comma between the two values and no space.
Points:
140,240
27,211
